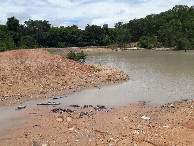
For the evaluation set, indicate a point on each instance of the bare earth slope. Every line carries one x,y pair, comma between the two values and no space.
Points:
36,73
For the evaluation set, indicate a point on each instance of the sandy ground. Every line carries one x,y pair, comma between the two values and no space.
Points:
134,124
37,74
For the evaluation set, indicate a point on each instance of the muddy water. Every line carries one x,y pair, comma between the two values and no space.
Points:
156,77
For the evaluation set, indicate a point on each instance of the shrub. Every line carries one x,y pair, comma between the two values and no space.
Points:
71,55
81,57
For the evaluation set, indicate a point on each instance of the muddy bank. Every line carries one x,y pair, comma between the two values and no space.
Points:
64,51
134,124
37,74
98,49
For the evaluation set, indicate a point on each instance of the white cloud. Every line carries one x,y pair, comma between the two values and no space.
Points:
19,15
61,3
83,12
83,22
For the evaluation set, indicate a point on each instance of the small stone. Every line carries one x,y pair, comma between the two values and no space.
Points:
71,129
59,119
166,126
69,119
145,118
172,105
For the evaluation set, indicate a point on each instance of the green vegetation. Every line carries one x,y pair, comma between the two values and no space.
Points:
173,28
80,57
52,51
149,42
96,69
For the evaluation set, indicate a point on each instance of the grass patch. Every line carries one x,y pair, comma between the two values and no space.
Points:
96,69
52,51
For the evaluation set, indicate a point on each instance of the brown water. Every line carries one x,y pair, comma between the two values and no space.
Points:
156,77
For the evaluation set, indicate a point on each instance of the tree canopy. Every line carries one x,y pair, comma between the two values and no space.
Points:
173,28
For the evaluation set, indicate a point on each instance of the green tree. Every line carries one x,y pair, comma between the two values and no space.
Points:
27,42
38,29
6,41
13,27
148,42
12,24
171,34
93,35
122,35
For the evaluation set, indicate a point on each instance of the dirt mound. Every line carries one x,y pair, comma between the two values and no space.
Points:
30,73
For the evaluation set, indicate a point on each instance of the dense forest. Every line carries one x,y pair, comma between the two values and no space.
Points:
173,28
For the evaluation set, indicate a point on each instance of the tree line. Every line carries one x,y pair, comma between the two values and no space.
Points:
173,28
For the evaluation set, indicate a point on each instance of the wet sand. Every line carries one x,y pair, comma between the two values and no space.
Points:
134,124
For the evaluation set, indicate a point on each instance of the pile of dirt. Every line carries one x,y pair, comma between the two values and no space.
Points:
36,73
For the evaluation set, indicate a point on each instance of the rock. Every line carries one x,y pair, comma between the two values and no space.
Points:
74,106
136,132
59,110
165,126
49,103
59,119
55,98
72,128
145,118
99,107
68,110
83,113
172,105
21,107
87,106
69,119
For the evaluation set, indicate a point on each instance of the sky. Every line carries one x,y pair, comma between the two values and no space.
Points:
83,12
